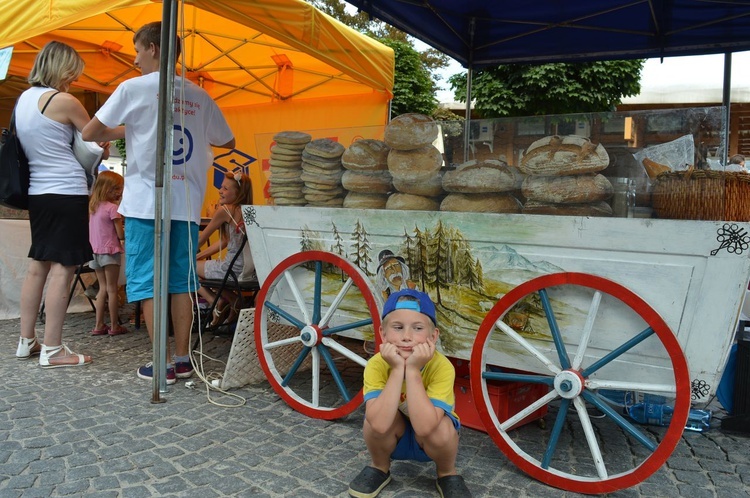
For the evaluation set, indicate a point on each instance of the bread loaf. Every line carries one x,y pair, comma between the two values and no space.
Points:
654,169
432,187
481,176
576,189
375,182
359,200
593,209
414,165
481,203
366,155
411,202
570,155
410,131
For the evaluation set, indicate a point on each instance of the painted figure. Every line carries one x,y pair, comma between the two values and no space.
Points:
392,274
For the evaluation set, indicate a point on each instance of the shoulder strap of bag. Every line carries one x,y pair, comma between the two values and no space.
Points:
48,101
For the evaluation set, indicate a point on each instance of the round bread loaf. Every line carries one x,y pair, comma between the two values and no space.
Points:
410,131
367,154
432,187
593,209
576,189
475,177
411,202
375,182
414,165
281,152
481,203
325,148
570,155
292,137
360,200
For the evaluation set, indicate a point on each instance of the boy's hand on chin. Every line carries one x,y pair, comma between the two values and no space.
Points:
421,354
390,354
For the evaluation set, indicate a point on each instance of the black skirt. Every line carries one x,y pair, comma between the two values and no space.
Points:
60,229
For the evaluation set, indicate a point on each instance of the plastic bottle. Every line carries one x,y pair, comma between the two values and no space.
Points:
651,413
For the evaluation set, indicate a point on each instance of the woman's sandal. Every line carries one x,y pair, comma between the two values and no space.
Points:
118,331
220,314
27,348
47,358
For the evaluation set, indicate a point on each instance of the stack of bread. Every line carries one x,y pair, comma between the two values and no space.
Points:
366,179
414,163
321,172
286,168
563,177
481,186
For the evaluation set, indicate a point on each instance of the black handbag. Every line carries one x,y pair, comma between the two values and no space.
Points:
14,169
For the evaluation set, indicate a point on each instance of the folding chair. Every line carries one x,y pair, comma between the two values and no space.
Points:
77,280
242,286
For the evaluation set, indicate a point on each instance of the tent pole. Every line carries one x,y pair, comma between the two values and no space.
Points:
726,102
162,196
467,122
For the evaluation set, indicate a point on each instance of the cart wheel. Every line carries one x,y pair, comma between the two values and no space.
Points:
315,305
568,389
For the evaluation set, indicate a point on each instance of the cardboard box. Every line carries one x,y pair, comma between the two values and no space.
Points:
506,399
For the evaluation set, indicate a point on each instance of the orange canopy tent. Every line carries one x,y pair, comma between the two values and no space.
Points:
271,65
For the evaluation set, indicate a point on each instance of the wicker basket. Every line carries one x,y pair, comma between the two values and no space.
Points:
702,195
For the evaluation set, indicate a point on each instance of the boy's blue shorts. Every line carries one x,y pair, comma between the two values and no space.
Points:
407,447
139,259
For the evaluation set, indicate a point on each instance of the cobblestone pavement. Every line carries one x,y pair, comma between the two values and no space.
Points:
94,431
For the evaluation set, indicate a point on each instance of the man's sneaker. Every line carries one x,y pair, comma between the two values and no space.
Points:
452,487
146,372
369,483
183,369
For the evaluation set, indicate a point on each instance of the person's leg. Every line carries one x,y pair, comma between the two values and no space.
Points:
56,302
441,445
111,276
101,302
381,445
31,295
182,322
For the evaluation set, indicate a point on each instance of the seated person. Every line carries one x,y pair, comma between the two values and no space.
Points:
409,400
236,190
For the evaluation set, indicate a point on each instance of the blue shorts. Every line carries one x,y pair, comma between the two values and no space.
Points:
139,261
407,447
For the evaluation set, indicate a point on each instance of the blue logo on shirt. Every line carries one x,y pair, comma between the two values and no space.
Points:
182,146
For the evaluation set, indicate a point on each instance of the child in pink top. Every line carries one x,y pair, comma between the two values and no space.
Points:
105,235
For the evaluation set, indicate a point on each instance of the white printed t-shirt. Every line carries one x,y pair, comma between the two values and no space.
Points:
135,104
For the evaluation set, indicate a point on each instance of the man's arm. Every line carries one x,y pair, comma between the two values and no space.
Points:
95,131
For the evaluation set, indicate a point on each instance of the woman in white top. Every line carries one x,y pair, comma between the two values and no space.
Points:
46,118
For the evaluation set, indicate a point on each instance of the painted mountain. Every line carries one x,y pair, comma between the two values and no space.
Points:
503,261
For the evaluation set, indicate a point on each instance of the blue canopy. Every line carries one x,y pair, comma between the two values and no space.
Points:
480,33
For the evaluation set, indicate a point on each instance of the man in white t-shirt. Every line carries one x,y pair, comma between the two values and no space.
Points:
198,125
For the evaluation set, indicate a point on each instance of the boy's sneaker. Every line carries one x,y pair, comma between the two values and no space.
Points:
146,372
183,369
452,487
369,483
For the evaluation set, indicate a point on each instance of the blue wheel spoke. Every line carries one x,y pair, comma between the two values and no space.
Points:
514,377
286,316
603,406
555,330
318,291
348,326
648,332
323,350
554,436
302,355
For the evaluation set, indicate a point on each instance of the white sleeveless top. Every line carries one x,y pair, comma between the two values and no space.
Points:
47,144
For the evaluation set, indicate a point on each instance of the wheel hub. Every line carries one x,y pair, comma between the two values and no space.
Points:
568,384
310,335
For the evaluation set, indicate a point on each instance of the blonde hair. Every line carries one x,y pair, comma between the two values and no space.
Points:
57,65
105,183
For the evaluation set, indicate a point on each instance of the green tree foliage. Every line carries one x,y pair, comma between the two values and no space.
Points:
416,73
561,88
413,88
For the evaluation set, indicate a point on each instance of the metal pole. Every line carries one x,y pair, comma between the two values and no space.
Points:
726,102
162,204
469,76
